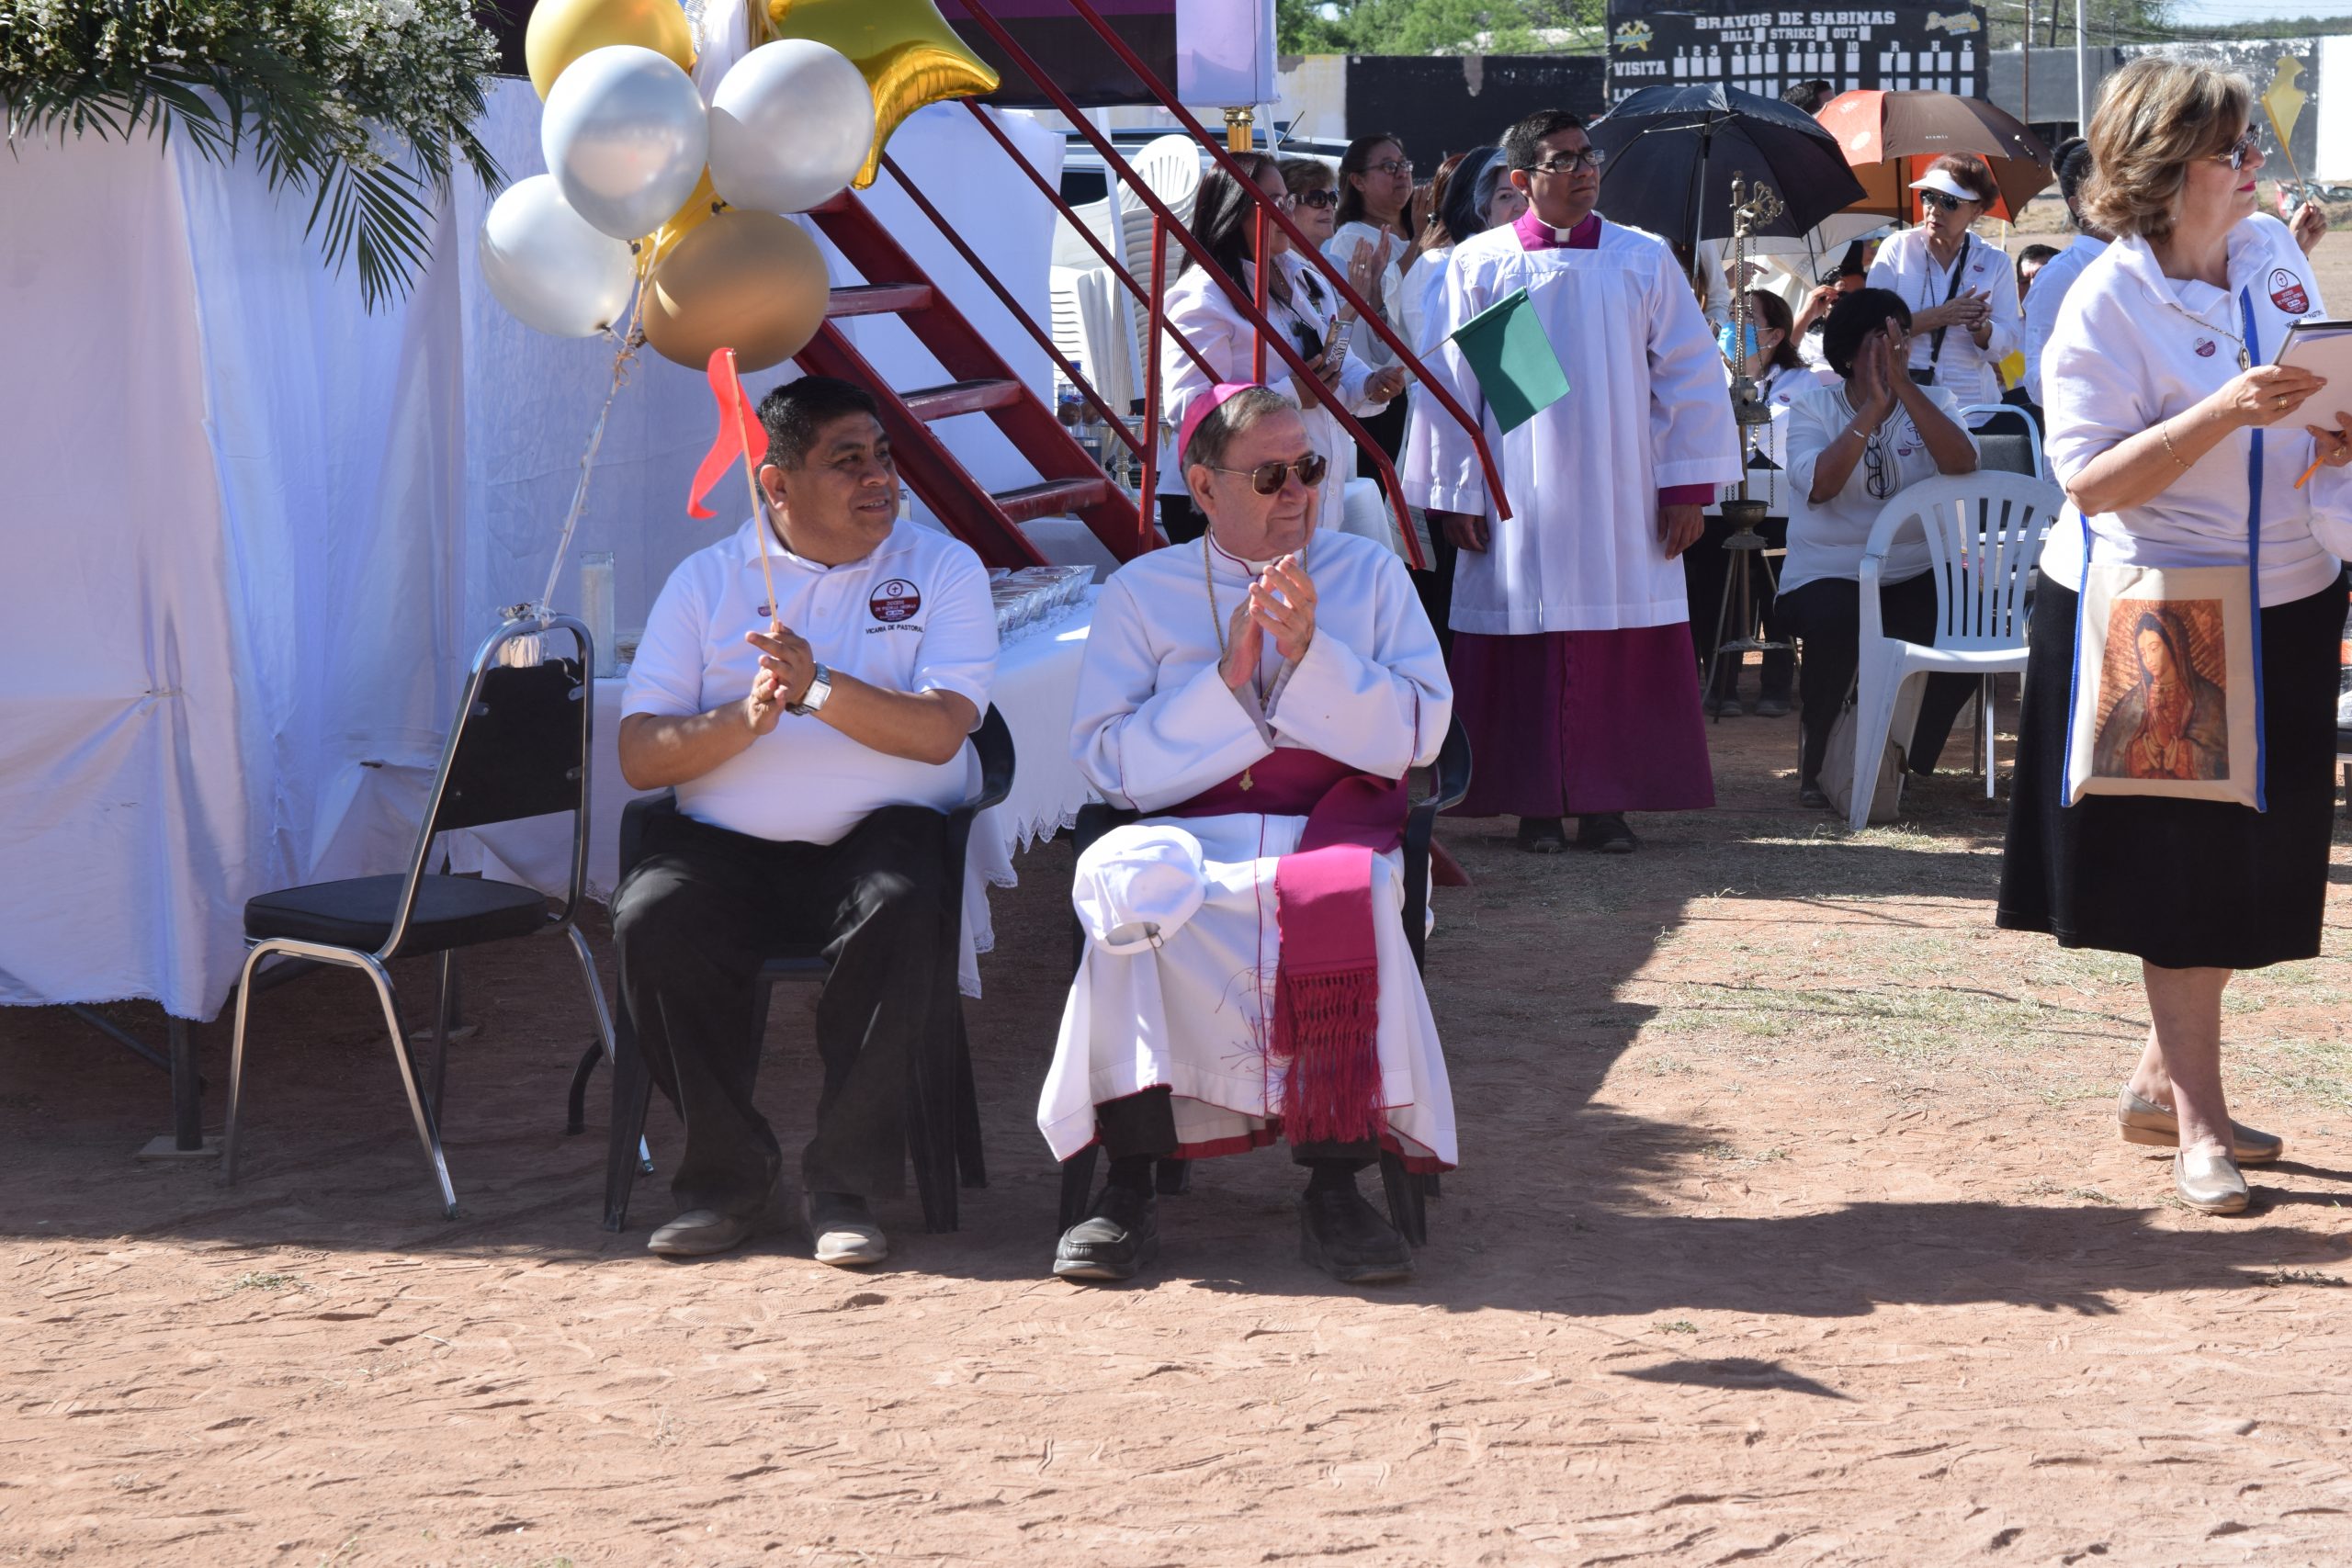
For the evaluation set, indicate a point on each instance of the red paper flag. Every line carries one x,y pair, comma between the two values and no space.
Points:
741,435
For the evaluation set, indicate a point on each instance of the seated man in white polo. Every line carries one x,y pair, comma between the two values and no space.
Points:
811,742
1259,695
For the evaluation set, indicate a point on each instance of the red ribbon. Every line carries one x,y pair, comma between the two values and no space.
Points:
741,435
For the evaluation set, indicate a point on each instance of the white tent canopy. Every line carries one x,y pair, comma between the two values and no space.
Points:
255,533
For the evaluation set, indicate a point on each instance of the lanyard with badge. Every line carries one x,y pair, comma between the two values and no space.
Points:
1927,375
2167,697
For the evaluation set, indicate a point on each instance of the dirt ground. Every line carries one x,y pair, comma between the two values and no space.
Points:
1793,1228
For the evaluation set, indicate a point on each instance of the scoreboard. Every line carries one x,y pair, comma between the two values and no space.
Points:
1673,42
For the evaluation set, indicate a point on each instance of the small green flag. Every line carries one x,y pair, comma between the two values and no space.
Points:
1516,367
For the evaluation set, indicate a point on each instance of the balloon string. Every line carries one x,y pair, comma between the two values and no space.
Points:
630,341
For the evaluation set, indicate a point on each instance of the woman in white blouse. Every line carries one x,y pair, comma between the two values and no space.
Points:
1374,238
1299,303
2155,381
1851,448
1961,290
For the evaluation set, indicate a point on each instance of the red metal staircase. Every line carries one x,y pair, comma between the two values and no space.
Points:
1070,484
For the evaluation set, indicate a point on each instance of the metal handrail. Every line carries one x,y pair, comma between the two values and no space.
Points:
1088,235
1004,296
1164,218
978,10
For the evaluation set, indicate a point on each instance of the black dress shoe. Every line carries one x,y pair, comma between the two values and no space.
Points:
1351,1240
1607,832
1813,796
1118,1238
1543,835
1771,707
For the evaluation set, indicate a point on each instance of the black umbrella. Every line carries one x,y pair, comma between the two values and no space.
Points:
1674,151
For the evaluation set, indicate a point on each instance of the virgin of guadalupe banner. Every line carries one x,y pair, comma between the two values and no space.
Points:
2167,676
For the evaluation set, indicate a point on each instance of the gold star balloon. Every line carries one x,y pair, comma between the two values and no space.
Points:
904,48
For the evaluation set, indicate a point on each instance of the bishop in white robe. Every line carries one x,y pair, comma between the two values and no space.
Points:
1572,649
1234,691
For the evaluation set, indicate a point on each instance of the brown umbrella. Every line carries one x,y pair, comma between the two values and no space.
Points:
1890,137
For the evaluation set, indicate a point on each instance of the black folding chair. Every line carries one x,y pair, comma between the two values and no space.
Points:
520,749
1448,782
942,1113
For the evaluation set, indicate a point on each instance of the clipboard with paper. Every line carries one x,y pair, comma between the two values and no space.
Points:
2324,348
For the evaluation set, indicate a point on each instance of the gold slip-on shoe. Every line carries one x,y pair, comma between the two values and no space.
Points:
2146,1122
2210,1183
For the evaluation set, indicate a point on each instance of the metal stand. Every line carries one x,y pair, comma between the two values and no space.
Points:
1739,607
1751,205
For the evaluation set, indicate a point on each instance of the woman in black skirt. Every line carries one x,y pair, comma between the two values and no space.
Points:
2153,412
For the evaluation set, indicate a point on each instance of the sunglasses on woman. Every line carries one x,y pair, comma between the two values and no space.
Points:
1267,478
1319,199
1944,200
2238,152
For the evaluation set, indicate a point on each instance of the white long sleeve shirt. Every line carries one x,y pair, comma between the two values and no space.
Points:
2041,302
1904,266
2133,348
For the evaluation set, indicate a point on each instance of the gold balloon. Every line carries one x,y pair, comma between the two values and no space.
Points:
698,209
560,31
906,53
749,281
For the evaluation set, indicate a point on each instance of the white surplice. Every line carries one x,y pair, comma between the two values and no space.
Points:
1647,410
1155,726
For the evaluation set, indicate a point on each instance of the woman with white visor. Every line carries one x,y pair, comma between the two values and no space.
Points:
1962,289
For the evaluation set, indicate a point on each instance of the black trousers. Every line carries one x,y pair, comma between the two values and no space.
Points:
1827,616
695,921
1143,1125
1706,566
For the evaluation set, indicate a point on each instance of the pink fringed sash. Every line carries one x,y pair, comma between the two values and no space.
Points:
1326,985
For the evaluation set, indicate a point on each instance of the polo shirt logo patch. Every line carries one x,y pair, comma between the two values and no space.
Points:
2205,347
2287,292
897,600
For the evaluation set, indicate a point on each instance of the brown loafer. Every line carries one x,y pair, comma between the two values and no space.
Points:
2146,1122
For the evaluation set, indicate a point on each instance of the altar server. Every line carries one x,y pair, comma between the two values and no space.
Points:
1572,640
1259,693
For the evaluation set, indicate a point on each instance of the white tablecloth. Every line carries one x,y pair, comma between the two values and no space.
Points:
1036,682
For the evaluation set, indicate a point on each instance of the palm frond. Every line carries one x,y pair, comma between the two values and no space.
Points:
358,105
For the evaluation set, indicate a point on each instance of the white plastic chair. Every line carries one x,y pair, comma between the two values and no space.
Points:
2015,420
1172,167
1984,532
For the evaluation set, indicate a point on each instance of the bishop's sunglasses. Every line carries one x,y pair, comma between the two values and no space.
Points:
1267,478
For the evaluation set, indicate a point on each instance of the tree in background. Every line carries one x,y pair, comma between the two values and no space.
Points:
1436,27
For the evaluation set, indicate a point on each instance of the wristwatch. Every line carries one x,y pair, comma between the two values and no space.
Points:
821,686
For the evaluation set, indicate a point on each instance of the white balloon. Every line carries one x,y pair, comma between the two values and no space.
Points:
550,268
625,135
789,126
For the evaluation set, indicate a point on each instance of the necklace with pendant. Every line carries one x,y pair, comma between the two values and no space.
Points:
1216,624
2245,360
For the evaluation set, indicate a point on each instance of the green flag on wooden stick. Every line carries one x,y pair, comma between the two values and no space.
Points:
1517,369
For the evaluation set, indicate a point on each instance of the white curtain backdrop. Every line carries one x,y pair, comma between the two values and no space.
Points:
255,533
